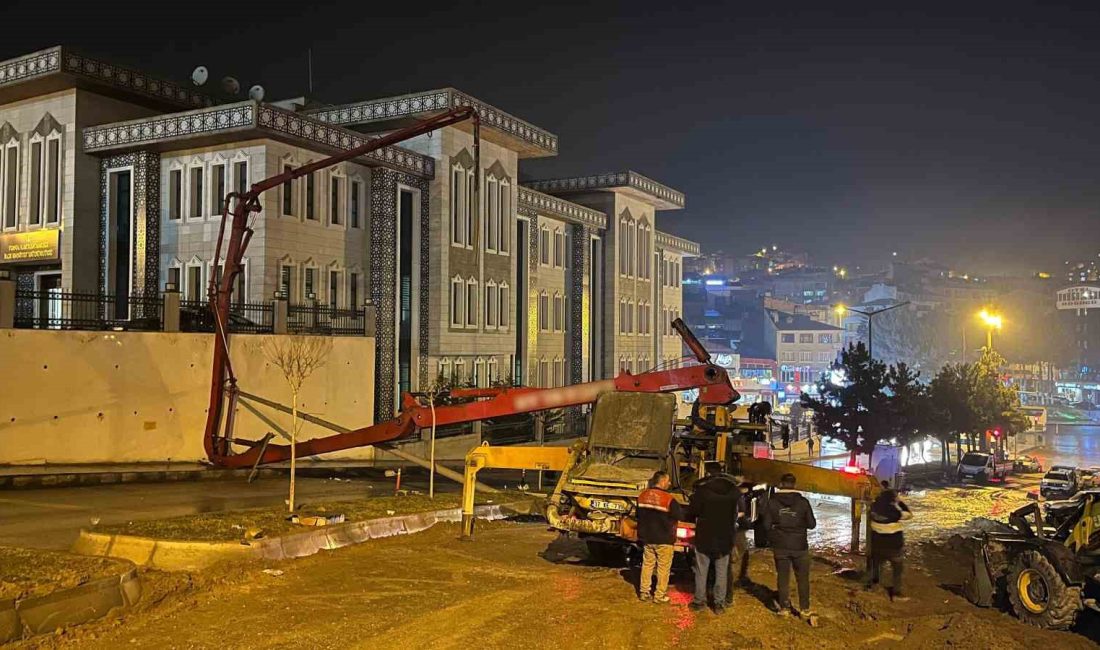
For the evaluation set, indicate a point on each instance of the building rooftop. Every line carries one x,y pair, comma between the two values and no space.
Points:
557,207
60,68
393,112
240,121
680,245
630,183
798,322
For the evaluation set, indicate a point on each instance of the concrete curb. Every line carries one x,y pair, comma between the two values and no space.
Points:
171,555
80,479
30,616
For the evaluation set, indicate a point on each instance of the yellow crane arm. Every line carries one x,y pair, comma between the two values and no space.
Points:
487,457
820,480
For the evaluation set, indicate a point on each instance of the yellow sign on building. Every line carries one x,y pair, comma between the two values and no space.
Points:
33,246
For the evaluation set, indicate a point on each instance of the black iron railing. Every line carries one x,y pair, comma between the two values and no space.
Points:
316,318
244,318
79,311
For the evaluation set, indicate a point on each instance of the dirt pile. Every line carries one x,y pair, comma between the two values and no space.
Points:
26,573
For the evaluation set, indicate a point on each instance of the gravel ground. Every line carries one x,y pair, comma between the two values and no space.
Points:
25,573
518,585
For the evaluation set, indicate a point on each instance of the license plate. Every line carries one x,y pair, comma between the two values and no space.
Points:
597,504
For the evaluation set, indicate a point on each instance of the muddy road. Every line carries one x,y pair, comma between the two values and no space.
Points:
519,585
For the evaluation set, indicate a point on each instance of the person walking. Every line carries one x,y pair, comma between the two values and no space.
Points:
714,508
658,513
888,512
810,446
739,557
786,520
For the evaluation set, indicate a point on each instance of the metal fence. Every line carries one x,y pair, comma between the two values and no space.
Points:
316,318
244,318
78,311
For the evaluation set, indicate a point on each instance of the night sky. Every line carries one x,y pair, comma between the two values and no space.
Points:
968,134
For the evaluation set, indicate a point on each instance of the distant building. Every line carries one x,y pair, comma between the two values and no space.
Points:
803,348
1080,306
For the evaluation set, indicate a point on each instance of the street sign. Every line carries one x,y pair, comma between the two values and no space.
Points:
33,247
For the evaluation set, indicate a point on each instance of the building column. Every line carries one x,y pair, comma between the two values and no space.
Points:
578,338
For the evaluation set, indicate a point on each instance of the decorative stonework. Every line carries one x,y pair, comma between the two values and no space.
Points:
580,325
431,101
383,283
676,244
58,59
664,194
245,116
561,209
145,204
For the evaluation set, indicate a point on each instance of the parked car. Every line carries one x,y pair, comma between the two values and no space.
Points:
1061,482
982,466
1026,465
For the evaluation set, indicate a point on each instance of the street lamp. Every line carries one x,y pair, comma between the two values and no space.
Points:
840,309
992,321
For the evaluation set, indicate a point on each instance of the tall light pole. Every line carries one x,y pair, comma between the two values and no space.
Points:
840,309
992,322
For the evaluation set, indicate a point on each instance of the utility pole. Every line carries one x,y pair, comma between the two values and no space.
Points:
870,321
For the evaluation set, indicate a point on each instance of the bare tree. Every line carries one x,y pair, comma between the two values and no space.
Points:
297,357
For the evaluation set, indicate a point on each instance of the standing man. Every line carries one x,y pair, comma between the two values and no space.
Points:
810,446
787,518
739,557
714,507
888,539
658,513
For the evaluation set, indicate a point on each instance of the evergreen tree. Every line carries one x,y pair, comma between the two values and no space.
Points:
850,405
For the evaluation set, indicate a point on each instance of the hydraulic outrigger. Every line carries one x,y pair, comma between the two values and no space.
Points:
712,382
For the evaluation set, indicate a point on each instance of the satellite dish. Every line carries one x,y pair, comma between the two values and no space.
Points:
256,93
200,75
231,85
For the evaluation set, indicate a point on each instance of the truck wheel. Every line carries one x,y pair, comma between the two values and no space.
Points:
1038,594
605,554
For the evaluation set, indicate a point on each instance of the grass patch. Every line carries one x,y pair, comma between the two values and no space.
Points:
231,526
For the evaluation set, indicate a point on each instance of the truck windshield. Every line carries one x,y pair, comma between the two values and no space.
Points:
1057,476
975,459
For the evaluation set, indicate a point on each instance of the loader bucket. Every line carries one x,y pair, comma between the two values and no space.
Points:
978,588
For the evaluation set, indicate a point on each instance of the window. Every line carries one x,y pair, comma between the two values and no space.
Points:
559,248
460,370
175,193
311,203
309,289
806,357
286,281
544,312
559,372
643,318
824,357
492,229
805,338
479,373
458,299
356,189
353,290
471,303
471,210
53,180
288,194
194,204
824,338
492,371
505,306
334,201
35,197
629,316
505,217
240,176
623,256
622,316
445,369
333,289
458,206
11,184
217,194
643,251
544,246
174,277
559,313
193,288
544,374
788,338
492,304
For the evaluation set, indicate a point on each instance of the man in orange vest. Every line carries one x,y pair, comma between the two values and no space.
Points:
658,513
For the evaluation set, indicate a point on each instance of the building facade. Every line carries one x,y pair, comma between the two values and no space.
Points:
803,348
113,182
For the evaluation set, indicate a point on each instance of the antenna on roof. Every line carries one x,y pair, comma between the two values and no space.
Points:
199,75
309,62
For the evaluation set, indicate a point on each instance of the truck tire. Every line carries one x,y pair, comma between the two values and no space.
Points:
1039,596
606,554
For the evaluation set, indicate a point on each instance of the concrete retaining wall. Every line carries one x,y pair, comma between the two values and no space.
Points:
114,397
31,616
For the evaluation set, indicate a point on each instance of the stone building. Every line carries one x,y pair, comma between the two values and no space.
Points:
112,182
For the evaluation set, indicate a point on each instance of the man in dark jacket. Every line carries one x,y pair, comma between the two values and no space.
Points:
786,519
658,513
887,539
714,507
739,557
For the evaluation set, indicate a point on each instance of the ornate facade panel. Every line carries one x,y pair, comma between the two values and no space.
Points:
662,193
170,127
580,296
565,210
676,244
145,204
383,282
